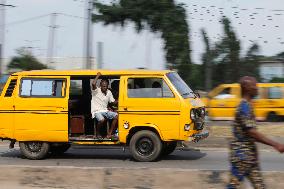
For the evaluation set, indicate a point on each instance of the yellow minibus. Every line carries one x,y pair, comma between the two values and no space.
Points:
48,111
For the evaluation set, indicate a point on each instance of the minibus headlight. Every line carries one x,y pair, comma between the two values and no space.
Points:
203,113
192,114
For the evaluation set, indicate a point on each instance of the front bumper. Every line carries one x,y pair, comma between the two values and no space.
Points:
200,136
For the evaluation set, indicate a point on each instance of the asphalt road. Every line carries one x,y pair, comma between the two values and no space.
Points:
193,159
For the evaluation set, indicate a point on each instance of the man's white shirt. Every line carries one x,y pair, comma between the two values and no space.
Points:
100,101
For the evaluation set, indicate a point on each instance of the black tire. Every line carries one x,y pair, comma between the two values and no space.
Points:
34,150
168,148
145,146
57,149
272,117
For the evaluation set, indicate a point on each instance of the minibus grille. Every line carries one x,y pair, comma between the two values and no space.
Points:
198,125
11,88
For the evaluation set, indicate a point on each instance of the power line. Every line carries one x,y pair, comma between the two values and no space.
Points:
5,5
72,16
26,20
42,16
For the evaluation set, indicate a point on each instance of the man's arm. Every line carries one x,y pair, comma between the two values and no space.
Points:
112,101
94,83
263,139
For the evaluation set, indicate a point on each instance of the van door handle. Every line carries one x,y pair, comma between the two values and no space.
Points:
125,109
59,109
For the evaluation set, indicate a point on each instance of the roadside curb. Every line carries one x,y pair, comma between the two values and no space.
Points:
123,168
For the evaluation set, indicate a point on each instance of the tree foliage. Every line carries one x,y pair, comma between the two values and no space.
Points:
160,16
277,80
25,61
225,58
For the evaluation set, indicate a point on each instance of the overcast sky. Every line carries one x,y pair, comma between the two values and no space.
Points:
259,21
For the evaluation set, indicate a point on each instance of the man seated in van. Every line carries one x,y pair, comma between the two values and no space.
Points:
101,97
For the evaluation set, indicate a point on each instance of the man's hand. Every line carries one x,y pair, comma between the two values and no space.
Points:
94,83
263,139
279,147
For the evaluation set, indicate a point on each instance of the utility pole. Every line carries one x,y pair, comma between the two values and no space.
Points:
51,39
99,59
88,42
2,30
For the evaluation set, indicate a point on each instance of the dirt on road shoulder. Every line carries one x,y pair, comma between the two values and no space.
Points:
119,178
224,129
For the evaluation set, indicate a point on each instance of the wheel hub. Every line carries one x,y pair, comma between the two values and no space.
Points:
145,147
34,146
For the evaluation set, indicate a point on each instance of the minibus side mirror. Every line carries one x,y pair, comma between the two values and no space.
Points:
197,94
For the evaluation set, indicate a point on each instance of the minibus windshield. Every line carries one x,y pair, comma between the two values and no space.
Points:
180,85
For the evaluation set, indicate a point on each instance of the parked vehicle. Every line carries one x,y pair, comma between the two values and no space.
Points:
268,105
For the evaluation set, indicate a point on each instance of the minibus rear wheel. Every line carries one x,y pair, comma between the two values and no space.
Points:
272,117
145,146
34,150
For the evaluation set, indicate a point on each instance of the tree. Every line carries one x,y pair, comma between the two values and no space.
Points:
25,61
207,60
231,52
280,56
225,57
160,16
250,63
277,80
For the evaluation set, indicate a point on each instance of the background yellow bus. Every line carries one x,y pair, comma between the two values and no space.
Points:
269,104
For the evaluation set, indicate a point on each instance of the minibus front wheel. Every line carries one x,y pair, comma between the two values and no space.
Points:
169,147
145,146
34,150
57,149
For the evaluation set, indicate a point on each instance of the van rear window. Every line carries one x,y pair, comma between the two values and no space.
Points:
11,88
42,88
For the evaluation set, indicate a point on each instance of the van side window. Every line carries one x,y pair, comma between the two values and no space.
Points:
11,88
148,88
274,92
42,88
225,94
262,93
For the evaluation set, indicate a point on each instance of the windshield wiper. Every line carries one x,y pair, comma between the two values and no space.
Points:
195,96
185,94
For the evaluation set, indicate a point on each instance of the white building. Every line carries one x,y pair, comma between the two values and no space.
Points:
271,69
58,63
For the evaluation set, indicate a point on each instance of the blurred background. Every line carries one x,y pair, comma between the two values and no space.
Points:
207,42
